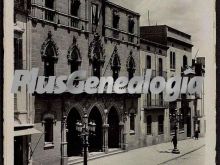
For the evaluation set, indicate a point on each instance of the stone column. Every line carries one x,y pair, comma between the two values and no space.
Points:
124,132
64,155
121,130
105,138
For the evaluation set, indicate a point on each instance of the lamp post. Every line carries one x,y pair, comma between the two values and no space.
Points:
175,117
85,129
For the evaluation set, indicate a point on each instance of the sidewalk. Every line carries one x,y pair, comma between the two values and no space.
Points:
152,155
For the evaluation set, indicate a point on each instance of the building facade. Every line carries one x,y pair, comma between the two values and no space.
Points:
102,38
168,51
60,37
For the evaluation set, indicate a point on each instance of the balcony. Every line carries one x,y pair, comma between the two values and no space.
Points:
74,22
156,73
57,18
155,104
120,35
49,15
115,34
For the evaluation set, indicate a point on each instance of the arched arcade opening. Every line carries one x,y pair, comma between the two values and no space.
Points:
74,147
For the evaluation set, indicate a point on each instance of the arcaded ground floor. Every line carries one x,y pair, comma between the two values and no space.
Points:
120,126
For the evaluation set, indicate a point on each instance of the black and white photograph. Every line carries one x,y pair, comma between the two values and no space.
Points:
103,82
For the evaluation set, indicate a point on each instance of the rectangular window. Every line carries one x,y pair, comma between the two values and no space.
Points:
132,123
172,60
74,8
131,25
161,99
160,124
149,99
95,14
116,19
49,13
148,62
18,59
74,11
115,25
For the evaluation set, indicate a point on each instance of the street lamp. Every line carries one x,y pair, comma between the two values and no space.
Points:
85,129
175,117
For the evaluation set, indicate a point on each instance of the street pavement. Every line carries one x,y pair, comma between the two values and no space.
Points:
157,154
196,157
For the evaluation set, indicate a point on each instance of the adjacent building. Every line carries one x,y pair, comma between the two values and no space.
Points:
168,52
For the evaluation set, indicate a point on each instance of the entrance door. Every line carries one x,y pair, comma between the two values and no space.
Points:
188,122
74,147
95,141
20,151
113,131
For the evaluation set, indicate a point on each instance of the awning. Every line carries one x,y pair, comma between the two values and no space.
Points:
28,131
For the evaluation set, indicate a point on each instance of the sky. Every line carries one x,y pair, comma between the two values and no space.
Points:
194,17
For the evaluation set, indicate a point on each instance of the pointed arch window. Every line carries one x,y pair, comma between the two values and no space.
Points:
130,66
49,62
49,54
115,64
74,57
96,55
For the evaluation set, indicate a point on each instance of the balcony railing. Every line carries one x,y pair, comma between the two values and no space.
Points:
130,38
74,22
49,15
121,35
58,18
115,34
155,103
156,73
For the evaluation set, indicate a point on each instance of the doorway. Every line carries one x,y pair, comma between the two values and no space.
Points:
74,147
96,141
113,131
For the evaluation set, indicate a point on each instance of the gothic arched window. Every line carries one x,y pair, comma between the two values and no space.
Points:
76,60
131,66
96,55
96,68
49,54
49,62
115,64
74,57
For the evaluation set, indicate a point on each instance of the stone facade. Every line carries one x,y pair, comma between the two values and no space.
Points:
85,35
